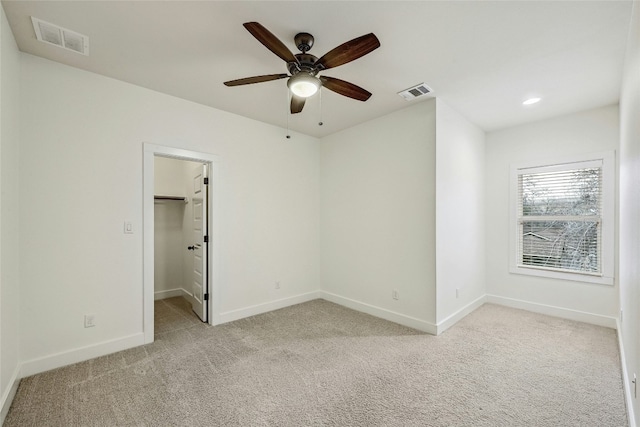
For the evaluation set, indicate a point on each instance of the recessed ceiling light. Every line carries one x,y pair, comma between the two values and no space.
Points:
531,101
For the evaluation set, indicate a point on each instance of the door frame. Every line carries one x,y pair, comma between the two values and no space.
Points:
150,151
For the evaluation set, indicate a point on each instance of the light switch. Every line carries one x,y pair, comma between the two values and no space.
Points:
128,227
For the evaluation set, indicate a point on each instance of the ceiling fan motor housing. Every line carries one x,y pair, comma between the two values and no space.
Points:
303,41
305,63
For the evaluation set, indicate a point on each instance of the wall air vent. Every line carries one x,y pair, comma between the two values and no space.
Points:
61,37
414,92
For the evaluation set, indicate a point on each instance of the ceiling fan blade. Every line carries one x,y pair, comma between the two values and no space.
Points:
270,41
348,51
255,79
297,104
345,88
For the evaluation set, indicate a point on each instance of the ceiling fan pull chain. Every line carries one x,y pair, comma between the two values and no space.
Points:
288,112
320,123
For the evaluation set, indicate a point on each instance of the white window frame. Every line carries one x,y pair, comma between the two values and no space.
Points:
607,238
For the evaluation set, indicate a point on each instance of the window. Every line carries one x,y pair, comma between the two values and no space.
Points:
562,219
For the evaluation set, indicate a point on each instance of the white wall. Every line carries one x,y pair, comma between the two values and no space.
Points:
81,177
460,232
169,177
168,247
630,204
378,215
9,218
584,132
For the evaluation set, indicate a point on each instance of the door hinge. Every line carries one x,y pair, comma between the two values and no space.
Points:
206,239
206,181
206,297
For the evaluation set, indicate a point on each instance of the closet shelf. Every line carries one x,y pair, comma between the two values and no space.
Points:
171,198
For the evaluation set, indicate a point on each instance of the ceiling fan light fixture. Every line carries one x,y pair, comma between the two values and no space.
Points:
303,85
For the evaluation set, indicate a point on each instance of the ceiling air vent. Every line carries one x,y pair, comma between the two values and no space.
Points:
415,92
61,37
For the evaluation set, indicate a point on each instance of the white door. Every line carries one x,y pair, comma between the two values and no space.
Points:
199,246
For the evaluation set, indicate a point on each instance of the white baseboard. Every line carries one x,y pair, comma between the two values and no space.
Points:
58,360
565,313
9,394
628,397
241,313
382,313
460,314
170,293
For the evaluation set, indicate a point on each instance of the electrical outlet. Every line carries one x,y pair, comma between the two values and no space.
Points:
457,292
621,316
277,285
395,294
89,320
635,386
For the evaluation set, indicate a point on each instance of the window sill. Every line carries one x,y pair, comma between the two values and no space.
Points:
574,277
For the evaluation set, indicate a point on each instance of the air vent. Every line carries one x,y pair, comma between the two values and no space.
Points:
414,92
61,37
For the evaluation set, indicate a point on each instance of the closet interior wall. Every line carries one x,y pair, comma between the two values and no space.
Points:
172,178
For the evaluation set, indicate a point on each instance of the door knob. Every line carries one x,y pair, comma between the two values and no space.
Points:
191,248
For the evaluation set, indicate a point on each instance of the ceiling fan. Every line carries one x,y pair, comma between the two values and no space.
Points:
304,68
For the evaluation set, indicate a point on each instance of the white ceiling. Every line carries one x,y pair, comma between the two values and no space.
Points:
483,58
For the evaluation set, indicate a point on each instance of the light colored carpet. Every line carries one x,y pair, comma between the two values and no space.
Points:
320,364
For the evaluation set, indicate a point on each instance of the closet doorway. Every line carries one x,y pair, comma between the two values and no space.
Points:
179,233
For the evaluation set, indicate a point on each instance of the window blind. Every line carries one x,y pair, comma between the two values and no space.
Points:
560,217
